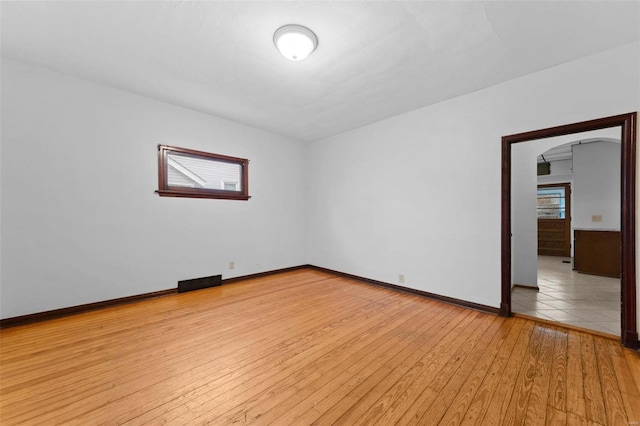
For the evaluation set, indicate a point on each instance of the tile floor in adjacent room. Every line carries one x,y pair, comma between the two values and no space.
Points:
569,297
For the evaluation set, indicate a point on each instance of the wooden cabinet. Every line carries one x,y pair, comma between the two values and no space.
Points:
597,252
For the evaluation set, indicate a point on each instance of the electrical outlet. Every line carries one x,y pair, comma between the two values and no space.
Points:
232,265
596,218
401,278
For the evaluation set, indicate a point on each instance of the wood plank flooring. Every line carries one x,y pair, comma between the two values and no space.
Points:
306,347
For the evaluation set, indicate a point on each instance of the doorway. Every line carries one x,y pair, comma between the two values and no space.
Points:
553,205
627,123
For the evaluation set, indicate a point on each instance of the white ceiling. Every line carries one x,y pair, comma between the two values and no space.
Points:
374,59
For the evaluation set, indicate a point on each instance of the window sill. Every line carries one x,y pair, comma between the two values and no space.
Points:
219,195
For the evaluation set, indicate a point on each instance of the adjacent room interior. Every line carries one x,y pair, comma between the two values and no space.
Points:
353,238
571,273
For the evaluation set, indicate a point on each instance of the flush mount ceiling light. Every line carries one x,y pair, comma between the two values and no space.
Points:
295,42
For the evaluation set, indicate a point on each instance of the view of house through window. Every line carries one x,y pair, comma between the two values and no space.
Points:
551,203
207,173
188,173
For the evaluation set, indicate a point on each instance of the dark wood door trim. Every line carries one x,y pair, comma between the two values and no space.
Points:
627,122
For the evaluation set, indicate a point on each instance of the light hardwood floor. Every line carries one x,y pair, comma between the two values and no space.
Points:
307,347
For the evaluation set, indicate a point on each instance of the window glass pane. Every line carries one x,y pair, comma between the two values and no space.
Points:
551,203
231,186
192,172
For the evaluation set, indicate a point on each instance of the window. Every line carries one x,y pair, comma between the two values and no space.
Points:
551,203
230,186
187,173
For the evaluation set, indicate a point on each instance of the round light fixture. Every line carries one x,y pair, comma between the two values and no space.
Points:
295,42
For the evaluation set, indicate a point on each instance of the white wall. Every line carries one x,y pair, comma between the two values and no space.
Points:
419,194
524,222
80,220
596,187
524,227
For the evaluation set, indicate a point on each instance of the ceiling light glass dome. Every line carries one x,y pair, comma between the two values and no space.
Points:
295,42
